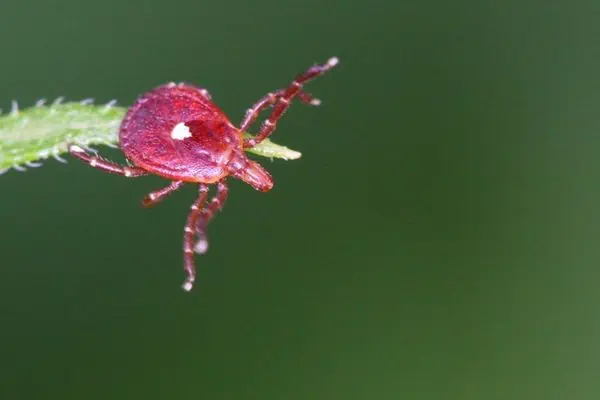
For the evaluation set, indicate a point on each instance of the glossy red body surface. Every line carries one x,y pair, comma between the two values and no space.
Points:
146,135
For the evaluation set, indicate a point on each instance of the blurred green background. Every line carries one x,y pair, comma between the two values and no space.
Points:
438,240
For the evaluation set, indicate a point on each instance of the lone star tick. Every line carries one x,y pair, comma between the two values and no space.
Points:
175,131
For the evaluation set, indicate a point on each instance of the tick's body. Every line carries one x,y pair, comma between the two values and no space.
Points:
176,132
192,143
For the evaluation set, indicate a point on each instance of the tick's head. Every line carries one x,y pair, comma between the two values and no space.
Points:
244,169
221,145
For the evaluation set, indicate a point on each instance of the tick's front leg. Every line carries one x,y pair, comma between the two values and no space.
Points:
284,100
105,165
268,100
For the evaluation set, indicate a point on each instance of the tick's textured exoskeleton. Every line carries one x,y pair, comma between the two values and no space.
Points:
175,131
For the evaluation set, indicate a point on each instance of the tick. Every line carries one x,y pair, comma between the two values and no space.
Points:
176,132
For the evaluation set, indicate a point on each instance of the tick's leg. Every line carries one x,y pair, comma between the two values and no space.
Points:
207,214
284,101
188,238
157,196
268,100
105,165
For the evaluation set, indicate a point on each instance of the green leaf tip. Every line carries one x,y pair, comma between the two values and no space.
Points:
267,148
37,133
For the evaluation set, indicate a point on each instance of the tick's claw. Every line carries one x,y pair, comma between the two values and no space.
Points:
332,62
148,201
201,246
187,285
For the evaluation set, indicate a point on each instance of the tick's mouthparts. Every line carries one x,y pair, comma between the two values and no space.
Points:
250,172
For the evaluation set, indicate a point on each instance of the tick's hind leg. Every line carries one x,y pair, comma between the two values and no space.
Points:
284,100
105,165
188,238
207,214
157,196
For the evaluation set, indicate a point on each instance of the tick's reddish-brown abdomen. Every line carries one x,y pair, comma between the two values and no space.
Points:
146,136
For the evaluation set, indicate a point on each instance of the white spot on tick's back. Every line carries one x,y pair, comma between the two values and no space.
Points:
180,132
